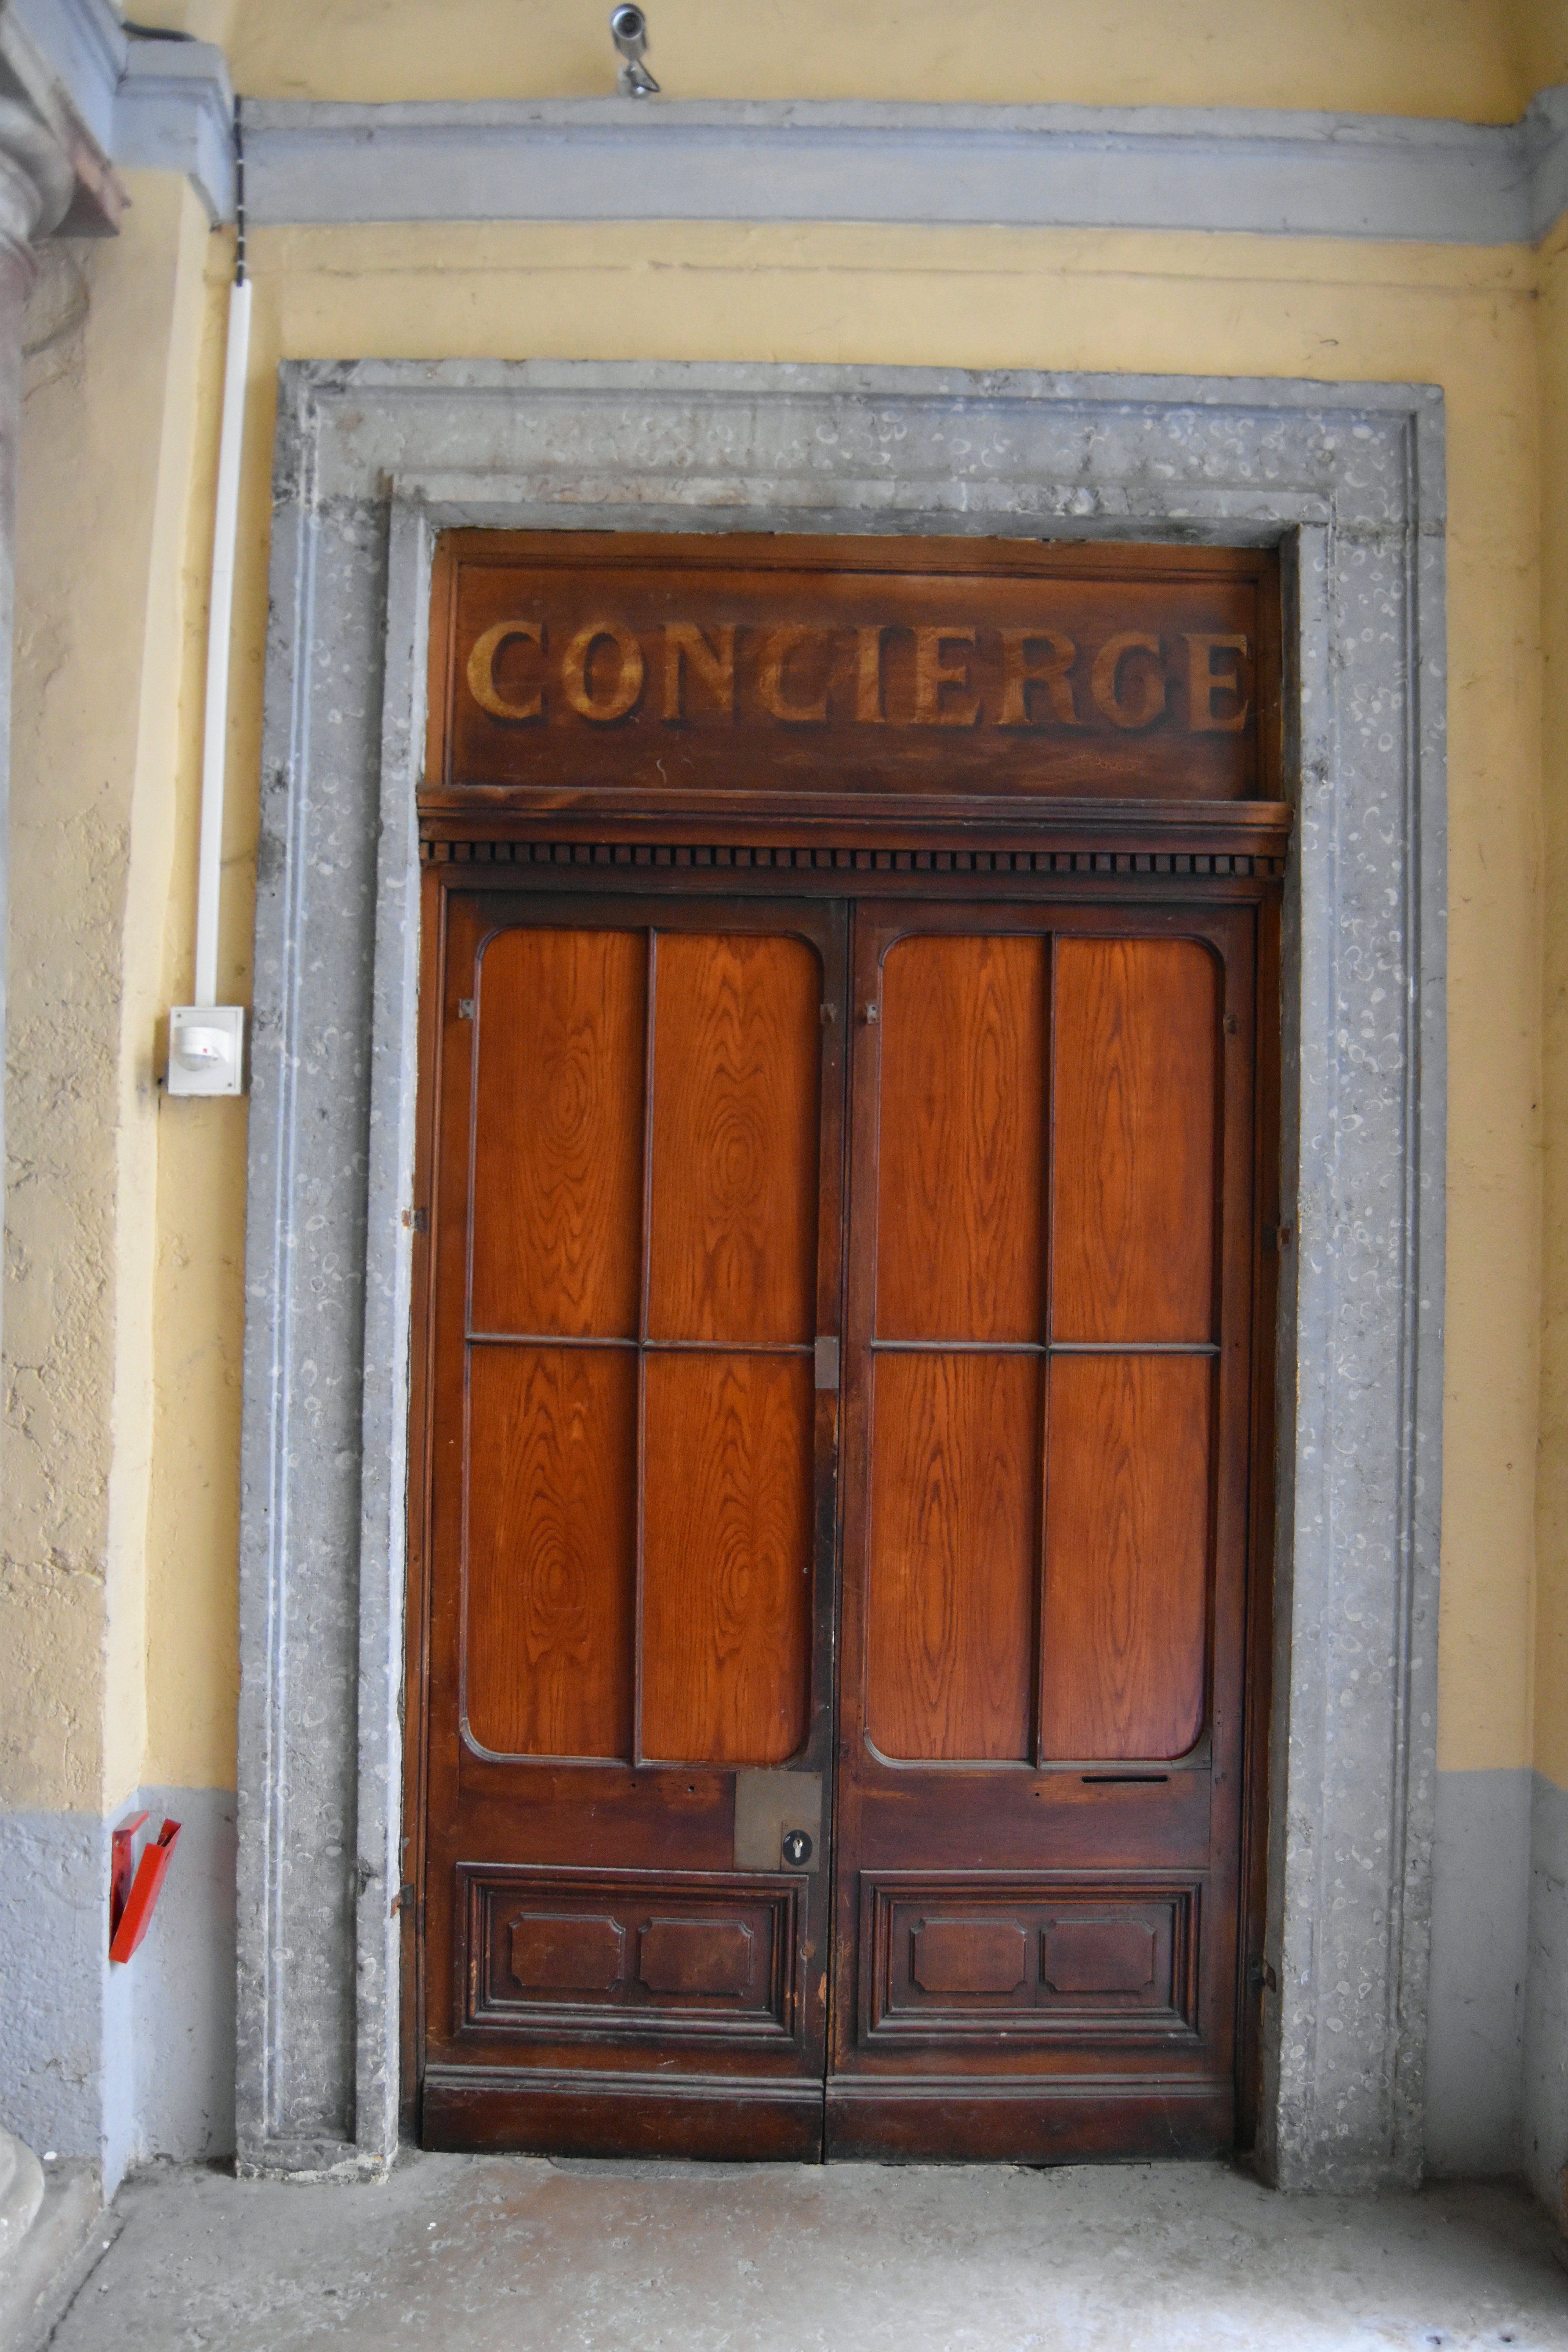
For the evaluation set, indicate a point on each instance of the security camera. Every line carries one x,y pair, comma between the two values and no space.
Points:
628,30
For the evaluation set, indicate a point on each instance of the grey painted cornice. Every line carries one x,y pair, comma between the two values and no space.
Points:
167,104
1021,166
151,105
173,111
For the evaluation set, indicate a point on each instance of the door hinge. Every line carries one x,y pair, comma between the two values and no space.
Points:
416,1219
1260,1975
1278,1237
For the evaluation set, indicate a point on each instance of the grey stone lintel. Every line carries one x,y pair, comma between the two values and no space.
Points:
1271,173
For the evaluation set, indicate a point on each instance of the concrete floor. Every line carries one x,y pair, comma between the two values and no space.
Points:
489,2253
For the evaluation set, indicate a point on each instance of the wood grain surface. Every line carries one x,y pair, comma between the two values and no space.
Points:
1126,1623
547,1636
726,1557
962,1159
1135,1162
955,1549
557,1155
736,1055
571,667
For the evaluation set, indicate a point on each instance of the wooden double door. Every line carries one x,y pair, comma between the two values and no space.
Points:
838,1411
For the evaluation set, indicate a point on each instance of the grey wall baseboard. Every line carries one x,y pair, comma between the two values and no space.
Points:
1545,2076
118,2064
1481,1887
54,1979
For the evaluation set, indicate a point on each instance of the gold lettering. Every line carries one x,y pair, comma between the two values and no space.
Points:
1019,672
932,674
576,663
1104,680
778,646
1203,684
868,677
482,670
714,666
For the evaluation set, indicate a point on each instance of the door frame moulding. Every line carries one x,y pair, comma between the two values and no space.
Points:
373,458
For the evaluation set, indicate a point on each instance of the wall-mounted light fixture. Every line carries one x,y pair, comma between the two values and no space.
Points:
628,30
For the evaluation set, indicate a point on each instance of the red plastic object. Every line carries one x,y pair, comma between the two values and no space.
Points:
122,1871
137,1915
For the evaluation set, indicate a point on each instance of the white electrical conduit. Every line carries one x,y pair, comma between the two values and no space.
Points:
214,745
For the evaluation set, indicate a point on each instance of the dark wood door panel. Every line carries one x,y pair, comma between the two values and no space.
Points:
631,1479
950,1577
1135,1051
557,1140
646,1132
1037,1862
727,1545
962,1130
557,1956
579,2110
734,1167
551,1557
1023,2119
1007,1965
1125,1621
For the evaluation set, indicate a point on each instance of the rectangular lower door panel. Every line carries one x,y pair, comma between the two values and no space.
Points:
655,1955
1002,1962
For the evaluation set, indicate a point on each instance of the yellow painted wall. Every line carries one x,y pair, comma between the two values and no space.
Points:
1551,1622
105,496
1476,60
1491,327
1203,305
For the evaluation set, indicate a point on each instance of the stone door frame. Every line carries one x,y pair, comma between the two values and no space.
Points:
373,458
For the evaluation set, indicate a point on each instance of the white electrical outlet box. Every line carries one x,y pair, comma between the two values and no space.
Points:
206,1049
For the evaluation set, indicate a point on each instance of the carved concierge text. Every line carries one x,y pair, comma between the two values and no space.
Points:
523,672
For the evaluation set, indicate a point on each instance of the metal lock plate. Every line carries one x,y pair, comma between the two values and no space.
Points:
778,1821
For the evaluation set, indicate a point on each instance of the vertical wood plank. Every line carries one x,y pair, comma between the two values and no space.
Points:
960,1234
1133,1163
735,1115
726,1557
557,1152
547,1636
954,1540
1125,1621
